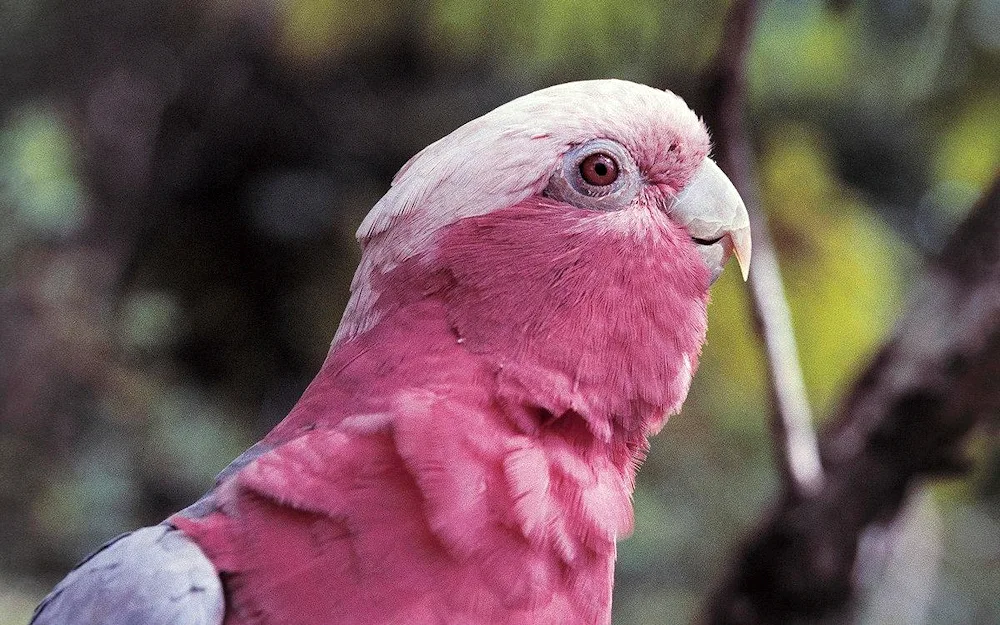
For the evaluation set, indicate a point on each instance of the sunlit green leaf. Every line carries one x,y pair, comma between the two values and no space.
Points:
37,175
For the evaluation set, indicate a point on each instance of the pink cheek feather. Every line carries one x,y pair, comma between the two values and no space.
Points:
600,313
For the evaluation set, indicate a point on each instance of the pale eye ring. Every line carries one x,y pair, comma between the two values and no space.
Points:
599,174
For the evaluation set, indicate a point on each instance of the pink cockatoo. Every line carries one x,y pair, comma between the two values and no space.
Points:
529,308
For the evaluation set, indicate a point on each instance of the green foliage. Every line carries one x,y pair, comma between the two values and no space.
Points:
149,320
16,602
39,191
320,29
837,259
969,150
97,492
190,439
801,52
578,37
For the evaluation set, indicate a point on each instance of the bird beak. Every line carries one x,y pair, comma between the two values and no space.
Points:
713,212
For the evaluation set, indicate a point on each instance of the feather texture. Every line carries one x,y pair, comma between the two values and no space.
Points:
472,455
153,576
499,159
468,451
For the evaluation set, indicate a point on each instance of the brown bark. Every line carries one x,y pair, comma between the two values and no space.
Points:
904,422
796,451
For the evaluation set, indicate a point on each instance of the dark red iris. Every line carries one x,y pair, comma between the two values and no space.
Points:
599,169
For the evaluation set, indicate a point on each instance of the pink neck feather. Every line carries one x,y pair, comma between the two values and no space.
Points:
566,311
600,314
521,366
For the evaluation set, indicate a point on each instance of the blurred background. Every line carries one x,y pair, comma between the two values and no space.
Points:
180,182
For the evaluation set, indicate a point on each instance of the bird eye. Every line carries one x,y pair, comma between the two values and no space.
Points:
599,174
599,169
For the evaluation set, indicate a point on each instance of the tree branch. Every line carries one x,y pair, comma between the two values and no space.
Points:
905,420
796,451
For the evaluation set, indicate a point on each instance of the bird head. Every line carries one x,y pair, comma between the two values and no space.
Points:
578,227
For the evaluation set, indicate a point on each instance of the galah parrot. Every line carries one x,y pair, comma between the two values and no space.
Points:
529,308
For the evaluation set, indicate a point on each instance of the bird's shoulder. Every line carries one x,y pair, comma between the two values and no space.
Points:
152,576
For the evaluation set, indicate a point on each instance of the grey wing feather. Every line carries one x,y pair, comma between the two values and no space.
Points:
153,576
